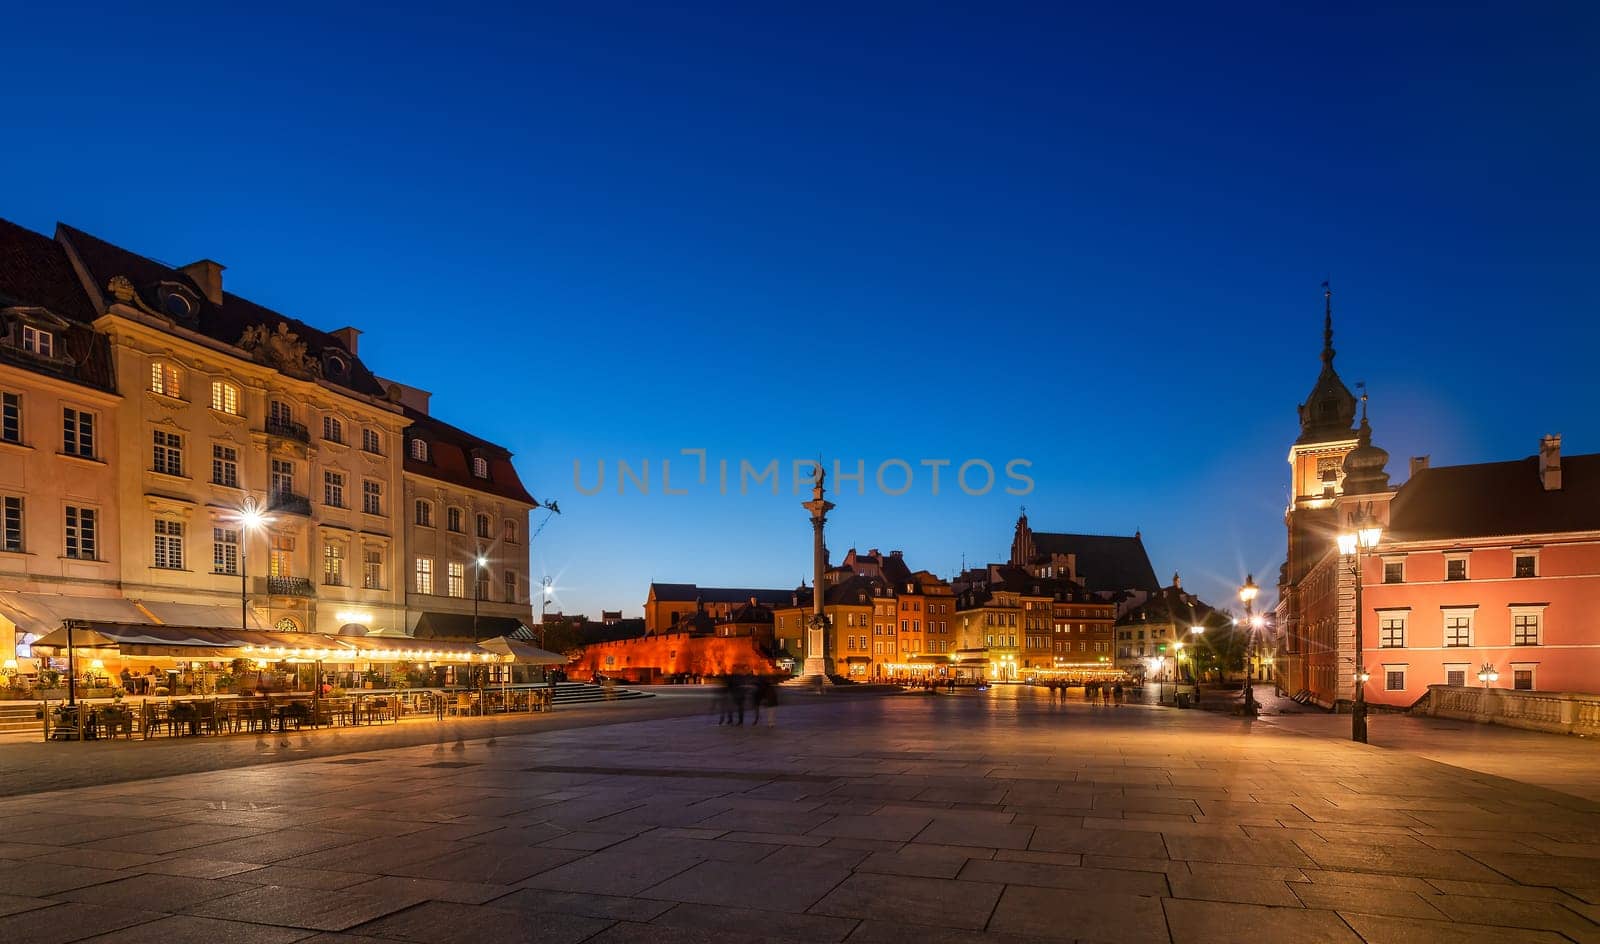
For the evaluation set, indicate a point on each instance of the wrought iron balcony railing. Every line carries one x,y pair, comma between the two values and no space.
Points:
289,504
290,587
288,430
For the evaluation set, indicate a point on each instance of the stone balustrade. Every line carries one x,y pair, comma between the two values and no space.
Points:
1560,712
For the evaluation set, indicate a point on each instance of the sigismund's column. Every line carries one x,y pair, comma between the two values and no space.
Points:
817,660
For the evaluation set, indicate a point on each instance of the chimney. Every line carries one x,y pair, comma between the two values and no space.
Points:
1418,463
207,276
348,337
1550,462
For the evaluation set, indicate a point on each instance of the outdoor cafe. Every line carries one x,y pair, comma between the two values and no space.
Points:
141,680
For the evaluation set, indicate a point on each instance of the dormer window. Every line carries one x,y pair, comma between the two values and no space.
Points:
480,467
177,305
38,341
419,450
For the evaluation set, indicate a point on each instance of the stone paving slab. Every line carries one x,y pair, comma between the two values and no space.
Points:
1000,818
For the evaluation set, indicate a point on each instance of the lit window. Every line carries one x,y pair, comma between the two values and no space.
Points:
169,544
372,569
35,341
164,379
77,433
372,497
224,397
333,564
167,452
480,467
425,575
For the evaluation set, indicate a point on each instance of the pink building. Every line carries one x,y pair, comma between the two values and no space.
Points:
1495,564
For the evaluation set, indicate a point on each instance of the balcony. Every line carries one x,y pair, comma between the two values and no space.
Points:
289,587
288,430
289,504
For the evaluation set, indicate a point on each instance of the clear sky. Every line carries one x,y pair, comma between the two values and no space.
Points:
1089,238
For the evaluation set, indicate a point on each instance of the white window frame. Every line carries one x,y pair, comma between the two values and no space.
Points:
13,524
223,463
371,441
480,467
1532,552
1393,559
1446,613
166,452
422,513
333,488
1524,610
419,450
423,569
11,417
1400,667
1403,614
168,543
1466,566
332,428
1464,668
38,341
1532,668
80,445
225,550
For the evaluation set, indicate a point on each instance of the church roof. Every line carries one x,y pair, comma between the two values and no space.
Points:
688,593
1104,561
1492,499
1329,411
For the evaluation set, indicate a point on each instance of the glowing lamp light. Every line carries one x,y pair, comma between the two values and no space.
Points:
1196,630
1347,544
1248,592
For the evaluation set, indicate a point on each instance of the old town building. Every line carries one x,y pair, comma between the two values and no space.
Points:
1111,567
145,407
667,603
1148,635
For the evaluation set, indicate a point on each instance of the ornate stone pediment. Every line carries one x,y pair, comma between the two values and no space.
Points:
280,348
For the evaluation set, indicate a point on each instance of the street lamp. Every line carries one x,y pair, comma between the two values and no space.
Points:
545,604
1247,596
1363,536
250,518
477,590
1487,674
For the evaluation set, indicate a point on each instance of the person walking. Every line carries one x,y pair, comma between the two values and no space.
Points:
1116,693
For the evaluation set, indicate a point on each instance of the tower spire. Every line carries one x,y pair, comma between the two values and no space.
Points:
1327,324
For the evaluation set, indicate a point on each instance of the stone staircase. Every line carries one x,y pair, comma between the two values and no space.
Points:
18,716
584,693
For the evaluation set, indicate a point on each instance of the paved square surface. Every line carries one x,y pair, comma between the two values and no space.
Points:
1002,816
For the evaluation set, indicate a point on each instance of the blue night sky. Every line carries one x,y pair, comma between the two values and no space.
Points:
1092,239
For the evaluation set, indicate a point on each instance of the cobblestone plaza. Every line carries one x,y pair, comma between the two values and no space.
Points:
1003,816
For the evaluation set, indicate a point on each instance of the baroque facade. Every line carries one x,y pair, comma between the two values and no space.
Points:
145,407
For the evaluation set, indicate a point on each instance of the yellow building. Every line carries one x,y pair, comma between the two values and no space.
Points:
143,409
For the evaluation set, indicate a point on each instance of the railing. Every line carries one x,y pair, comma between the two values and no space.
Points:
1564,712
289,504
288,430
289,587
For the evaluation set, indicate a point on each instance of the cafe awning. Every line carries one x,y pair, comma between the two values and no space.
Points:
149,639
433,627
199,614
520,653
407,649
43,613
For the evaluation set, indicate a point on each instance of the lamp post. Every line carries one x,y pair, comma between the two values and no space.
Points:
1247,596
479,563
1363,536
1487,674
545,603
250,518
